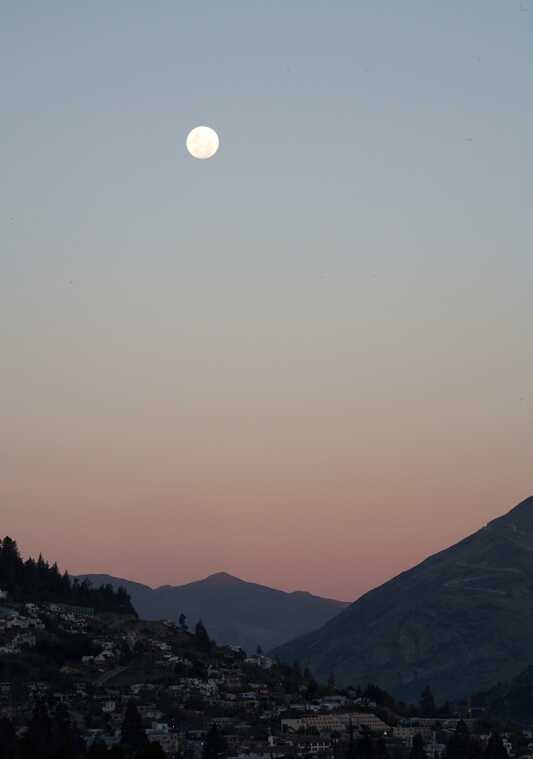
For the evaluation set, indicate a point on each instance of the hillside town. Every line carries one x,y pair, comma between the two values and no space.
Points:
97,670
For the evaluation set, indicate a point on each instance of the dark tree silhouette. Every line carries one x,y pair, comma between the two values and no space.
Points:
8,738
364,745
380,748
462,745
66,739
418,750
312,687
215,745
427,703
201,638
495,748
351,750
132,732
38,581
151,751
40,730
98,750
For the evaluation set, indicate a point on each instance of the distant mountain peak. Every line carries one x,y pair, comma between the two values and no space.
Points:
222,578
235,612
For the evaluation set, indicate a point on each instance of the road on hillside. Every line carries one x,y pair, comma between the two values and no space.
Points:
108,675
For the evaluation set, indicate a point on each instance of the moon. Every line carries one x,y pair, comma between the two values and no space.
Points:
202,142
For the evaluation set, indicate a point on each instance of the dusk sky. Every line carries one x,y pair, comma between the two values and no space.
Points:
306,361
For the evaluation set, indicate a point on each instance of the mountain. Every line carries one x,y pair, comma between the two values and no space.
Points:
462,620
511,701
234,612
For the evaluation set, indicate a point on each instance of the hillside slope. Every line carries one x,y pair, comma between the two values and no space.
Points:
462,620
235,612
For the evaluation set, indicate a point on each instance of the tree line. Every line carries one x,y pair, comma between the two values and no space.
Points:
38,581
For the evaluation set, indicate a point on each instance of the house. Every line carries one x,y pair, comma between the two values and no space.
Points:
260,661
169,741
333,702
76,611
8,613
24,639
104,656
18,621
69,670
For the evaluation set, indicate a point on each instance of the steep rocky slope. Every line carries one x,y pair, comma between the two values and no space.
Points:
462,620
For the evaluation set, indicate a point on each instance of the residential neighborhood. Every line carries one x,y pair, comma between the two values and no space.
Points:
94,667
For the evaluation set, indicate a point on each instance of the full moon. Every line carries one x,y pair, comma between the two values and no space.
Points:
202,142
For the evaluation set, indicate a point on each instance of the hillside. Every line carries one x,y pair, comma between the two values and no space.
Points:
37,581
462,620
235,612
512,701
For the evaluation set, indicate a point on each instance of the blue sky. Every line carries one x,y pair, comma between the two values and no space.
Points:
329,323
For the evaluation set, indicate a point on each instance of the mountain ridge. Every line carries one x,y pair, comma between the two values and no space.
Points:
461,619
235,612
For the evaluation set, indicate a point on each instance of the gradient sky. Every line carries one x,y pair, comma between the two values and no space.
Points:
306,361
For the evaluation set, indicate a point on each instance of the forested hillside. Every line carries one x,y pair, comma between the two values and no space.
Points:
36,581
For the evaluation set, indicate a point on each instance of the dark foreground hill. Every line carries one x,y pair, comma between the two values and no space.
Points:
462,620
234,612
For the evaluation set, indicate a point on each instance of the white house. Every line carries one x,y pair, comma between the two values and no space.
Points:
104,656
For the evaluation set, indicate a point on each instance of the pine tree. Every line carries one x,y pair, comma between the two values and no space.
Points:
427,703
132,732
40,730
365,745
462,745
418,750
8,738
27,749
201,638
312,687
215,745
495,748
98,749
152,750
380,748
351,751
